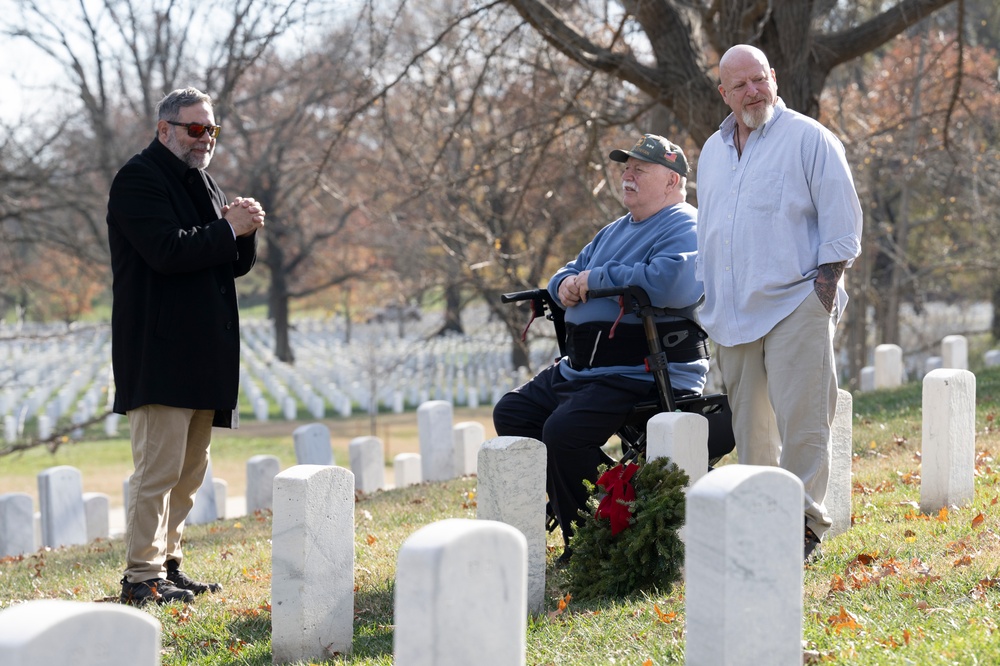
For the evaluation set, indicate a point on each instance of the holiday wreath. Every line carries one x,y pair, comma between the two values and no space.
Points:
628,542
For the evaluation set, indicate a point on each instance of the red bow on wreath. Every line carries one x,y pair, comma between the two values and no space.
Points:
614,505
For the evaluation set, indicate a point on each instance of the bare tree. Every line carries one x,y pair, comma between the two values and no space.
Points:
120,56
669,49
498,142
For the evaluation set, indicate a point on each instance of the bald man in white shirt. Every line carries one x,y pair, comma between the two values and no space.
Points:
779,221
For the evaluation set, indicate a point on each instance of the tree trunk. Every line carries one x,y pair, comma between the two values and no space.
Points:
452,310
278,304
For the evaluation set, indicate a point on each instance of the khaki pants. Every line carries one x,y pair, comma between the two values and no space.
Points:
783,393
170,451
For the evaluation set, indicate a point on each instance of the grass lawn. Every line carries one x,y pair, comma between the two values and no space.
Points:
898,588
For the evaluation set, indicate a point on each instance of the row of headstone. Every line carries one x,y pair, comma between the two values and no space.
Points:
446,451
67,516
889,370
463,370
744,524
743,572
52,379
451,573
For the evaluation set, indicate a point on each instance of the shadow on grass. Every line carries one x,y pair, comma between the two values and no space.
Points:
373,618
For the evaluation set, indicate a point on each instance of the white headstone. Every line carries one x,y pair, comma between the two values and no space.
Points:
932,363
461,595
468,437
682,437
260,408
125,494
97,509
367,456
205,510
406,469
44,426
291,408
743,567
992,358
955,352
221,487
511,490
111,424
437,449
867,380
312,444
888,366
312,563
838,492
261,470
948,459
53,631
60,501
17,525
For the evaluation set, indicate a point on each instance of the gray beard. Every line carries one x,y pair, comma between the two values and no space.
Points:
755,120
185,155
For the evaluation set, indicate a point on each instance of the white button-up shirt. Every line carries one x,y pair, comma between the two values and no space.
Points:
768,220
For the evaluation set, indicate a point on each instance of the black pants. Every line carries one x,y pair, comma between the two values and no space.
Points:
574,419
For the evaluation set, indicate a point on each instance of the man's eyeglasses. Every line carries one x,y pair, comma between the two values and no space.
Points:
195,130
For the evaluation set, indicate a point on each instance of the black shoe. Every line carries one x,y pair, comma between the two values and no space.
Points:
563,560
184,582
810,551
160,590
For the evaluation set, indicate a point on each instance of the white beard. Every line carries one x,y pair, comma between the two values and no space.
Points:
753,120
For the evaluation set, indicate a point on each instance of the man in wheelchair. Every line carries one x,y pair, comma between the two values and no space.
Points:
575,405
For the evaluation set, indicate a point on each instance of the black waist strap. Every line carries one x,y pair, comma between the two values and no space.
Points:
590,345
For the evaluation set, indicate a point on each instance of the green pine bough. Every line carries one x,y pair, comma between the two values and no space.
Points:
648,555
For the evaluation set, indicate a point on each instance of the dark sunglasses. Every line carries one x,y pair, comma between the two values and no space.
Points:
195,130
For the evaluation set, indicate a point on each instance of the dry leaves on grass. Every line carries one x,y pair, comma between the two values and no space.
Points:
868,569
665,618
842,621
563,605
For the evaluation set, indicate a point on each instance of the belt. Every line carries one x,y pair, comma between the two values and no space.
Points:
590,345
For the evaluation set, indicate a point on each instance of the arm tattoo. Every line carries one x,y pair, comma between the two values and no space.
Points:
826,283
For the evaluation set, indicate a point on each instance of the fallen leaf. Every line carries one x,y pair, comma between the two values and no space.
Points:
843,620
665,618
978,521
963,561
371,539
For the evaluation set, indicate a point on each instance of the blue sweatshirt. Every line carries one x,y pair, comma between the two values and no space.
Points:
657,254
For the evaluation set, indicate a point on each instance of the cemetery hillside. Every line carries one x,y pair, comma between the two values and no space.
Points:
365,517
349,234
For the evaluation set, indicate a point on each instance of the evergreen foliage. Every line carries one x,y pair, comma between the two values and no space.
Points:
646,556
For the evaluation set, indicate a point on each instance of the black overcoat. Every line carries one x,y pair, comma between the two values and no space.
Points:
175,336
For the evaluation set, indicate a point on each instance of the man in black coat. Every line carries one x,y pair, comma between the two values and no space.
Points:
177,248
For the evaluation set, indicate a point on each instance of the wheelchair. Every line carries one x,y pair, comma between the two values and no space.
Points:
714,407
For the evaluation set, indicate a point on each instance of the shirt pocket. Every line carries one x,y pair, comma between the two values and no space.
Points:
763,191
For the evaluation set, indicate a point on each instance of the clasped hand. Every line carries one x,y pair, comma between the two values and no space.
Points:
245,215
573,290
